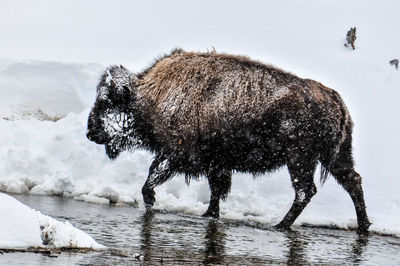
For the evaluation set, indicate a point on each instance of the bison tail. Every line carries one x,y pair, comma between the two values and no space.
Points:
340,155
339,152
324,174
329,156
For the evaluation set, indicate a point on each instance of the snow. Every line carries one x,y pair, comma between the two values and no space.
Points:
22,227
45,103
28,86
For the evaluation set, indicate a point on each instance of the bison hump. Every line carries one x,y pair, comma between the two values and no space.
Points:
188,94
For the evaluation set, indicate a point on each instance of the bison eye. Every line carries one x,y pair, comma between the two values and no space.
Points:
103,103
123,95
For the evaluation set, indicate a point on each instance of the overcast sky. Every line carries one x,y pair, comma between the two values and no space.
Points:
109,31
133,32
129,31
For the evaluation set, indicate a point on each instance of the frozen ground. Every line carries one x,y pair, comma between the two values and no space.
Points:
44,104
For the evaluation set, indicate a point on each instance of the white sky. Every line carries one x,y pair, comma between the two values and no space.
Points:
127,31
123,31
133,32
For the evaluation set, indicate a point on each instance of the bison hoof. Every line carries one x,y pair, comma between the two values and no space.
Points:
363,228
211,214
148,198
282,226
363,231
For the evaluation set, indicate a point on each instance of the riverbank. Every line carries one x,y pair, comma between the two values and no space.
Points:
181,239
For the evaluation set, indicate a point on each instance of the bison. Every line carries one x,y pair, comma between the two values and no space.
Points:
209,114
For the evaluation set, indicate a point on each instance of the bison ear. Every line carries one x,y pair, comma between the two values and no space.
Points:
118,78
109,77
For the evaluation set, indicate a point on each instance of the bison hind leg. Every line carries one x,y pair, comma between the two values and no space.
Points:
302,177
342,169
220,181
351,182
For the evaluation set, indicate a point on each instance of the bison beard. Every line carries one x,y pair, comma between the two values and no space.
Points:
211,114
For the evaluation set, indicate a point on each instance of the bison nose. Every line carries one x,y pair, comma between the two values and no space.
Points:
89,135
92,137
97,138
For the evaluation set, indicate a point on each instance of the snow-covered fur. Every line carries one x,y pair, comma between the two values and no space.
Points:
211,114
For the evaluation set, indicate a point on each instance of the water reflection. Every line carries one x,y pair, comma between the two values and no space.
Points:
164,238
145,234
155,233
358,247
311,246
214,242
297,244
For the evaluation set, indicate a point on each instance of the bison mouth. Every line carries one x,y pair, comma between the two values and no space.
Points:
111,150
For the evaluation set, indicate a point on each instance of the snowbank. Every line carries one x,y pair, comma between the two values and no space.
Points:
32,87
21,227
42,154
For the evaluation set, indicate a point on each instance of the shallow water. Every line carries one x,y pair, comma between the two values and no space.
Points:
168,238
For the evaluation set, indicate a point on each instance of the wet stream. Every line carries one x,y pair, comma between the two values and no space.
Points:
179,239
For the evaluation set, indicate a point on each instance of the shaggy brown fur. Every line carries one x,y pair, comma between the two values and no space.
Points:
211,114
189,95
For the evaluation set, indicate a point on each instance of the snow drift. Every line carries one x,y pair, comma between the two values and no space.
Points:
36,87
21,227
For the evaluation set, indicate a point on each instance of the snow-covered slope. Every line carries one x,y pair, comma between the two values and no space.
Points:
32,87
47,157
21,227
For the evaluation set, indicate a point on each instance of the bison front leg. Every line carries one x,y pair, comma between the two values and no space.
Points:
159,172
302,176
220,184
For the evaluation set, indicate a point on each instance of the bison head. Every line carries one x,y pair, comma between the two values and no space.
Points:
111,120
